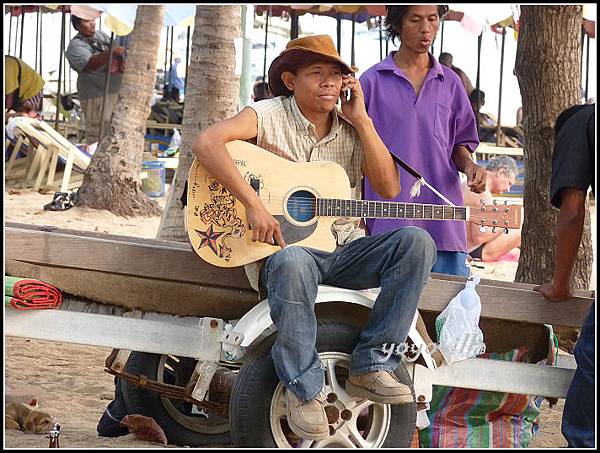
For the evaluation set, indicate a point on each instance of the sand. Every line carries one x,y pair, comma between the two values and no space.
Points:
68,380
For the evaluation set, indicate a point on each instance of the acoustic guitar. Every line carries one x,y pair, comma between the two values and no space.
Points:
306,198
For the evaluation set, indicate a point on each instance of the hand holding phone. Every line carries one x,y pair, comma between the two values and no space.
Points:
353,104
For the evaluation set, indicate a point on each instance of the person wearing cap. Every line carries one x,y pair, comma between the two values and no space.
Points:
88,54
422,113
301,123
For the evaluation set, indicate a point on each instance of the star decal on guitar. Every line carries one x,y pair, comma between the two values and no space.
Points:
209,238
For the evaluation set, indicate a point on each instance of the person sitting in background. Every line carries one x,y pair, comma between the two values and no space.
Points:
446,59
502,172
261,91
487,124
23,89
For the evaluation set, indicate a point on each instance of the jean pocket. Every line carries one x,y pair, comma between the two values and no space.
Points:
442,124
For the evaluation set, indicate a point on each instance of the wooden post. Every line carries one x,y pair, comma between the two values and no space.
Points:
70,69
479,38
60,63
587,66
380,41
22,28
442,37
171,62
187,57
17,36
266,34
352,41
41,34
10,21
499,138
165,75
64,62
37,37
338,18
294,24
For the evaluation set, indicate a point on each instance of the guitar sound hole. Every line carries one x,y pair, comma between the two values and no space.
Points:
301,206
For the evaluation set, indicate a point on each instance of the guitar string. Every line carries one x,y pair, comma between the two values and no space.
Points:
311,201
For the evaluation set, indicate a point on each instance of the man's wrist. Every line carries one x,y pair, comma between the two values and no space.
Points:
363,123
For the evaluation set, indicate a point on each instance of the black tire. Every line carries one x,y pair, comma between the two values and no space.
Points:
174,416
250,402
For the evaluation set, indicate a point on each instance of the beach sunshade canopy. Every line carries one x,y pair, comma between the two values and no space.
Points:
358,13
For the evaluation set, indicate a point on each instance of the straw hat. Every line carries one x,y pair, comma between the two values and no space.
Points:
301,52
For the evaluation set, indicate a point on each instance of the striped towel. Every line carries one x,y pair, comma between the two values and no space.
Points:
30,294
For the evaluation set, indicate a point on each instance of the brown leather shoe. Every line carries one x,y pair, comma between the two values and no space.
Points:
306,418
379,386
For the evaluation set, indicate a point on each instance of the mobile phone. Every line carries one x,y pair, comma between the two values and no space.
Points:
346,94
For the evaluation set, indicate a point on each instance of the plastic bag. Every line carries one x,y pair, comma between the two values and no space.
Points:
175,144
457,326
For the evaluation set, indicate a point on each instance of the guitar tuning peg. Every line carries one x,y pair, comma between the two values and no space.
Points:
505,230
483,228
482,201
506,202
493,229
495,201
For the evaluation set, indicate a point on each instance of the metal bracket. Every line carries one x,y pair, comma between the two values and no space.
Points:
211,330
117,360
204,372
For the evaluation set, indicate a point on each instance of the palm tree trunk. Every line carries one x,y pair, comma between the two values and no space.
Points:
112,181
212,94
549,74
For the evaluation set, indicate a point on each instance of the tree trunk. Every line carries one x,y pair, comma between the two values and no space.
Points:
549,75
112,181
211,95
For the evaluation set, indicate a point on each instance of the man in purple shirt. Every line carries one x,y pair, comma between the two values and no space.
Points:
422,113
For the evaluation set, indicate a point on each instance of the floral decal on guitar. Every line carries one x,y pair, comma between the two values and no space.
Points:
220,213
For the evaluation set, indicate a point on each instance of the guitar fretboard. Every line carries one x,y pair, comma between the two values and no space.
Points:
330,207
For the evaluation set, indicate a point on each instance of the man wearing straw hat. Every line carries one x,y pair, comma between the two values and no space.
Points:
302,124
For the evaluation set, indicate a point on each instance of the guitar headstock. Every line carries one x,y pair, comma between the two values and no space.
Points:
496,215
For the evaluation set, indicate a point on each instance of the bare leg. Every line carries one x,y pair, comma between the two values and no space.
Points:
500,245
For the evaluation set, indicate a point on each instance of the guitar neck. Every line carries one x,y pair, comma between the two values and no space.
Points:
331,207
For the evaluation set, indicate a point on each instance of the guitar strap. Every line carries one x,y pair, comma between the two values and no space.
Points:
420,180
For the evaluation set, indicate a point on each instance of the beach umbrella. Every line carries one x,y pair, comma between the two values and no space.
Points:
355,13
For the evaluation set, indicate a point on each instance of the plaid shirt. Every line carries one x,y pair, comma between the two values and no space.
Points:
284,131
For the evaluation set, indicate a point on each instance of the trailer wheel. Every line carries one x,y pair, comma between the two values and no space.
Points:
257,406
182,422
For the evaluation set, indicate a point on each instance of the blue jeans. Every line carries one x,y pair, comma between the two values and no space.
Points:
451,263
398,261
578,422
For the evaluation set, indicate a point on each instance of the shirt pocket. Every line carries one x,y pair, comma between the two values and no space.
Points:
442,124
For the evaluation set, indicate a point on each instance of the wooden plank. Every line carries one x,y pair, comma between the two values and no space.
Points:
120,255
155,263
503,284
510,303
138,293
13,156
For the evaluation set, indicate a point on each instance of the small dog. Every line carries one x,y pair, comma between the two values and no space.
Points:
27,417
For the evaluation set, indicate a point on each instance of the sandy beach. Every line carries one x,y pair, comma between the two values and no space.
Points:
68,380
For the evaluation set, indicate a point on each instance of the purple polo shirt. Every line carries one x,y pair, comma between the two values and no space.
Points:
422,131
